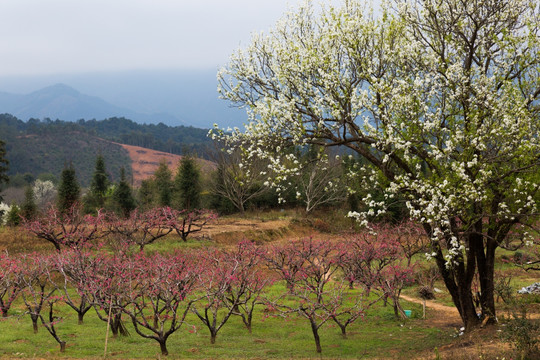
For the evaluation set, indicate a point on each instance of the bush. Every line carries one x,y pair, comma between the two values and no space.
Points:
13,217
522,333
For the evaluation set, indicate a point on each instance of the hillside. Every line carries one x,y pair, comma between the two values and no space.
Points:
38,147
144,162
48,153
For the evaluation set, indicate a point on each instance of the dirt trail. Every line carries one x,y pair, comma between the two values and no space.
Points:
446,316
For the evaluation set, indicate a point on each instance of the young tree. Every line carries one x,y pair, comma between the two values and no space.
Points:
39,292
29,207
71,229
96,196
68,190
163,184
145,194
239,182
10,281
320,181
317,295
190,222
142,228
187,184
3,166
123,196
440,97
224,282
159,302
44,192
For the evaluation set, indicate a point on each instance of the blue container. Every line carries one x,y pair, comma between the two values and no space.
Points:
408,313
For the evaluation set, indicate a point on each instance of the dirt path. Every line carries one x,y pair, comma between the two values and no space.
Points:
474,345
445,316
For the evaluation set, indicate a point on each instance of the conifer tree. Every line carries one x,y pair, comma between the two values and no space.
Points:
187,184
145,194
163,184
123,196
29,207
69,189
3,165
100,181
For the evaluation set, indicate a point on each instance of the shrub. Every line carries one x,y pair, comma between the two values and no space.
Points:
522,333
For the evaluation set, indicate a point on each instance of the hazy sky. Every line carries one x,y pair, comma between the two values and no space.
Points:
67,36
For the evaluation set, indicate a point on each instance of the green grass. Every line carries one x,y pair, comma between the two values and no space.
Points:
378,335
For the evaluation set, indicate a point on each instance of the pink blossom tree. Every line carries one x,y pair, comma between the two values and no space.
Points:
192,221
249,282
74,265
229,285
319,294
10,281
157,300
39,292
71,228
142,227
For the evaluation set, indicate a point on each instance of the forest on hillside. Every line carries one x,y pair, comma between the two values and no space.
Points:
44,146
173,139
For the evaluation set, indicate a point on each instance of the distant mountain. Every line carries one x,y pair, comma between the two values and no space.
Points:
65,103
188,95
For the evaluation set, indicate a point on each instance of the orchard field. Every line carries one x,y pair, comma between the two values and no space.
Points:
279,273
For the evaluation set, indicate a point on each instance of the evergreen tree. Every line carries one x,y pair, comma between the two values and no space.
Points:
13,217
29,207
123,197
146,194
69,190
187,184
3,165
163,184
100,182
96,197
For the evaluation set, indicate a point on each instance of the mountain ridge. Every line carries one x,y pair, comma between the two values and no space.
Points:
60,101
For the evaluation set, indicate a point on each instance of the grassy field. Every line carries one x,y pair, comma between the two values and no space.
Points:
378,335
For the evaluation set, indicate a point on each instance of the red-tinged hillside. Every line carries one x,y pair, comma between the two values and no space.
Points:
144,162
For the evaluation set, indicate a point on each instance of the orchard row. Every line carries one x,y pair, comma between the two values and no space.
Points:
324,281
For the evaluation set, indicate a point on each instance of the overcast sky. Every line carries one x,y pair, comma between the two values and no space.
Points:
71,36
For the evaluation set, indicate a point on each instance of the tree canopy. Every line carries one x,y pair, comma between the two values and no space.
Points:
442,98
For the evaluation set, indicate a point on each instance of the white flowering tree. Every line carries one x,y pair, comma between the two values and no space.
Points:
239,181
320,180
442,98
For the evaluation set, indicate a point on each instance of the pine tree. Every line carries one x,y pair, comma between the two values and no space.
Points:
187,184
123,196
69,190
145,194
29,207
163,184
3,165
100,182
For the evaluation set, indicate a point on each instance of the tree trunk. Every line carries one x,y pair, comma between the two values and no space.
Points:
62,346
163,347
212,337
34,323
315,331
81,318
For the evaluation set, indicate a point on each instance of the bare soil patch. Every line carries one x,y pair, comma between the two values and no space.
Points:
144,162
